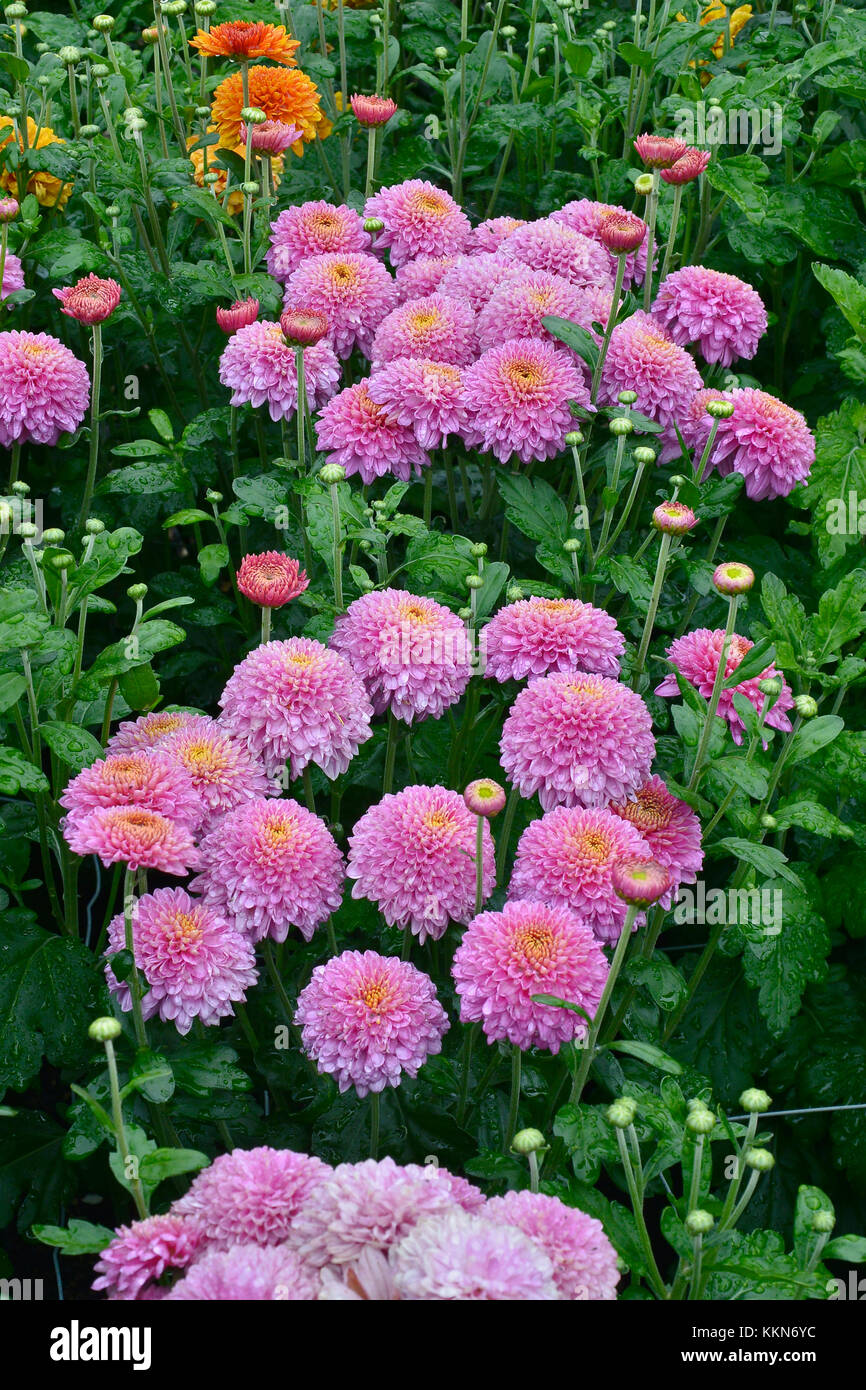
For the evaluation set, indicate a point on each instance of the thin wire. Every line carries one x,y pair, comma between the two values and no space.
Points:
96,892
810,1110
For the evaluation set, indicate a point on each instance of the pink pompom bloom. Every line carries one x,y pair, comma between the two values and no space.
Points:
641,882
669,826
46,390
420,220
577,740
354,291
368,1019
559,249
133,836
195,965
688,167
313,229
659,151
270,138
456,1258
13,275
621,233
249,1273
148,731
372,110
484,797
490,234
366,438
222,770
538,635
584,1261
91,300
427,397
722,314
238,315
474,278
643,357
413,854
530,947
297,701
567,858
368,1279
518,395
588,217
517,306
271,865
303,328
696,656
766,440
141,1253
135,779
418,278
362,1207
271,579
437,326
411,653
251,1196
258,366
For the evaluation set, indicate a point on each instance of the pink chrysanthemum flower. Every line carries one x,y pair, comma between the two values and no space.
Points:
585,216
490,234
474,278
584,1261
766,440
411,653
437,326
413,854
134,836
552,246
91,300
418,278
367,1019
456,1258
270,137
519,395
237,315
688,167
372,110
372,1205
271,865
13,275
538,635
420,220
530,947
258,366
577,740
669,826
368,1279
248,1273
300,702
222,769
517,307
46,390
148,731
135,779
660,151
643,357
251,1196
722,314
424,395
271,579
140,1254
313,229
195,965
696,656
567,858
353,290
367,439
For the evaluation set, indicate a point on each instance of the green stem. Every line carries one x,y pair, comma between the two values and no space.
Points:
93,452
514,1102
609,326
120,1131
649,624
707,731
595,1028
374,1124
129,904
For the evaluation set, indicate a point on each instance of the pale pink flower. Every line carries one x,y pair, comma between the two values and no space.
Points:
247,1273
420,220
143,779
418,278
516,307
46,390
456,1258
221,768
426,396
313,229
722,314
353,290
148,731
537,635
555,247
141,1253
642,357
766,440
367,438
474,278
13,275
670,827
436,326
490,234
696,656
133,836
259,368
584,1261
251,1196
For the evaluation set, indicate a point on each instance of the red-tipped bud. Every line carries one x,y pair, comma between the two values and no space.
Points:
271,137
372,110
621,232
242,312
8,209
640,882
91,300
484,797
660,151
271,579
689,167
674,518
303,327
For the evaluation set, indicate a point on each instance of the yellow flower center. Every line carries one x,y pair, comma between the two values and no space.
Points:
343,276
593,845
429,203
423,320
186,928
535,943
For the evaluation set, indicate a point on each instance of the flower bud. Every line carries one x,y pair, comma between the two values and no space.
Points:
88,132
202,112
250,188
700,1223
640,882
823,1222
513,593
253,115
643,184
370,111
659,151
54,536
440,53
8,209
484,797
63,560
137,592
572,546
508,31
70,55
621,232
621,424
238,315
103,23
474,581
644,454
768,822
464,614
755,1101
27,531
771,686
303,327
373,225
573,438
627,397
478,551
759,1159
701,1120
720,410
104,1029
15,11
806,706
213,496
98,71
622,1112
332,473
204,8
674,518
733,578
93,526
20,488
528,1141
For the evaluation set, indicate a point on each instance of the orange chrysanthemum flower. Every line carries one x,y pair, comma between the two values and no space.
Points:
287,96
244,40
48,189
202,163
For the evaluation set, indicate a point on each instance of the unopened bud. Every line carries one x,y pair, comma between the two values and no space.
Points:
701,1120
528,1141
474,581
759,1159
137,592
622,1112
805,706
104,1029
373,225
755,1101
93,526
645,455
103,23
823,1222
332,473
643,184
700,1223
720,410
573,438
621,424
70,55
54,536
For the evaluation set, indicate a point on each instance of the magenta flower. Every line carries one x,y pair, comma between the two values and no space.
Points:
567,858
418,278
90,301
140,1254
538,635
552,246
688,167
474,278
143,779
643,357
588,217
660,151
413,854
372,110
420,220
696,656
577,740
425,396
13,275
271,865
366,438
722,314
313,229
258,366
584,1261
765,440
222,769
46,390
354,291
297,701
437,326
133,836
237,315
270,137
456,1258
529,948
489,235
517,306
519,396
411,653
367,1019
271,579
194,963
669,826
250,1273
148,731
251,1196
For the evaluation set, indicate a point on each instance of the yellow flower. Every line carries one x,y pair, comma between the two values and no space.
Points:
716,11
48,189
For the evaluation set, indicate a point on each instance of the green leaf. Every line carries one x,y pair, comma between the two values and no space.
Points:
168,1163
813,735
849,294
840,617
736,772
812,816
12,687
753,663
140,687
764,858
740,178
781,965
74,746
201,1068
534,508
211,560
849,1248
143,479
33,1175
556,1003
649,1053
152,1076
78,1238
17,774
577,338
187,516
